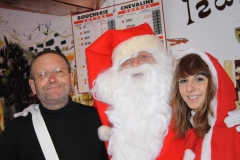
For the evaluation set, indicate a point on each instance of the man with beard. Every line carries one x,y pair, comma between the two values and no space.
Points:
132,74
57,128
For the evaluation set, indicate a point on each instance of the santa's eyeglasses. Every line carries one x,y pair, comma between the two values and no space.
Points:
141,58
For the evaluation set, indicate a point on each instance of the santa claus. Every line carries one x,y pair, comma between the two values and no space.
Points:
132,76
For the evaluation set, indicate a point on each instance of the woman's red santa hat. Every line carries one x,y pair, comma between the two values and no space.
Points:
220,142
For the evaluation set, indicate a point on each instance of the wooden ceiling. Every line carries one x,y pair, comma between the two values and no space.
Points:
53,7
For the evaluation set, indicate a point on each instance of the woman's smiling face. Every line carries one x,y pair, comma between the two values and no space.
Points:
193,90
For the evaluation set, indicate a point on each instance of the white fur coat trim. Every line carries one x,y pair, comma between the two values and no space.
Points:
189,155
103,133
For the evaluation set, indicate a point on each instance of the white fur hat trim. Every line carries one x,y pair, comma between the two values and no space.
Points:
134,45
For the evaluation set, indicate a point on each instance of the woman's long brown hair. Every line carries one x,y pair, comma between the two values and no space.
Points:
189,65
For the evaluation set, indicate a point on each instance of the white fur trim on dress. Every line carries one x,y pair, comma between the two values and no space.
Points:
189,155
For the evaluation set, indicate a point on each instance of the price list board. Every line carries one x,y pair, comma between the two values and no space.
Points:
88,26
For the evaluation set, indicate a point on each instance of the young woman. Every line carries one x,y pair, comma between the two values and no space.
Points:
202,94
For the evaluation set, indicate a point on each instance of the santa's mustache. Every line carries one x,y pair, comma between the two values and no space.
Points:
144,70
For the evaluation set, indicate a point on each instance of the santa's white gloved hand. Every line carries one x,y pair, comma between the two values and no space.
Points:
25,112
104,133
233,119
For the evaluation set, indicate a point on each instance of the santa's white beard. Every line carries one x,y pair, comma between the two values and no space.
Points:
138,110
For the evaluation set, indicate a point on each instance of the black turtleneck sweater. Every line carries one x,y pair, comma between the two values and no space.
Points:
73,130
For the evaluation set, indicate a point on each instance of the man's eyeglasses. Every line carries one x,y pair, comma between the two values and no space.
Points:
141,58
44,75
